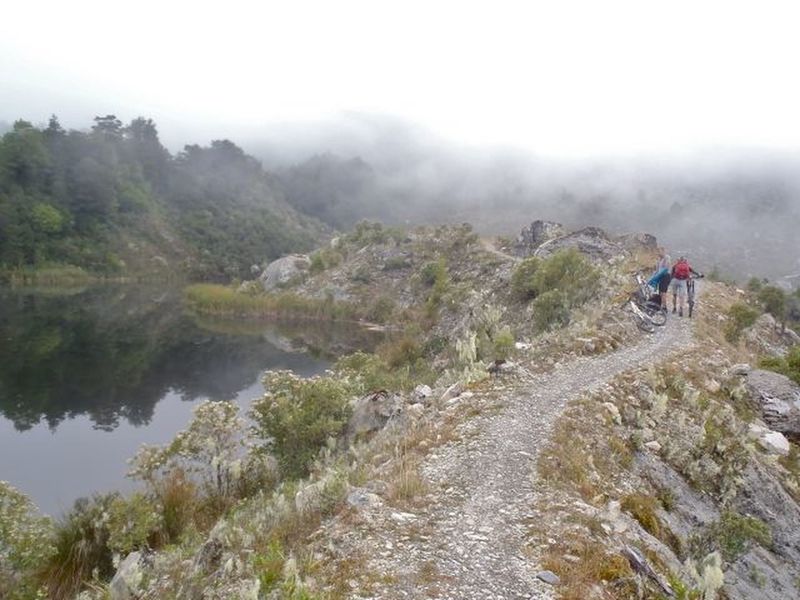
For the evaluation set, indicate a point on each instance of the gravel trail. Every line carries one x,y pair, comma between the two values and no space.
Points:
475,531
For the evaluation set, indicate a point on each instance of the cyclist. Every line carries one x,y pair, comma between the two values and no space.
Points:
681,273
661,277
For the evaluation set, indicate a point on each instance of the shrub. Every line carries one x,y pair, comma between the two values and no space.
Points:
522,279
774,301
297,416
400,351
788,365
26,542
134,523
740,317
503,343
732,535
81,552
551,309
381,310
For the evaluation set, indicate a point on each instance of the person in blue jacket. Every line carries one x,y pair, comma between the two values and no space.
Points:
662,276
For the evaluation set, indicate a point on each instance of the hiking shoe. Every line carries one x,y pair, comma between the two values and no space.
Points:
680,313
673,310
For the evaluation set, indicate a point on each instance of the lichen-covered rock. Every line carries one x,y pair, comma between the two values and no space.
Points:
372,412
778,399
283,270
128,578
536,234
593,242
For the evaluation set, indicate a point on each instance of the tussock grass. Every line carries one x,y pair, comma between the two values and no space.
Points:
220,300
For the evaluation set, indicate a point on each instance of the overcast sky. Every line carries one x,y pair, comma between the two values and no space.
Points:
563,78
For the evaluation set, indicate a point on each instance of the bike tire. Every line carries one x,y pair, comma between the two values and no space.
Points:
658,317
644,324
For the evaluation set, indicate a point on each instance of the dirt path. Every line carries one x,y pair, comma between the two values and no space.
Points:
469,540
489,246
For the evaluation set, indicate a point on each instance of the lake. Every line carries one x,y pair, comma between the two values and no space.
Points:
89,375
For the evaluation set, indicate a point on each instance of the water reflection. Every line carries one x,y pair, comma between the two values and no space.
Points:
112,353
87,377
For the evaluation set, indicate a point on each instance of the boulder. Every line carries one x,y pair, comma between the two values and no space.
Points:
778,399
372,412
285,269
128,578
767,336
422,391
536,234
361,498
638,241
590,241
775,443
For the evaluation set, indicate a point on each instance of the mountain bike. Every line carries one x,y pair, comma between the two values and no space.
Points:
646,310
690,292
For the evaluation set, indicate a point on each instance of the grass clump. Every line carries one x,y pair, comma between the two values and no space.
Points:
220,300
732,536
594,566
522,279
740,317
788,365
82,551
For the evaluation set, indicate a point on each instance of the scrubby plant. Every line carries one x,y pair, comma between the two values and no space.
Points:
731,535
557,284
82,551
503,343
297,416
774,301
522,282
133,523
381,310
740,317
26,542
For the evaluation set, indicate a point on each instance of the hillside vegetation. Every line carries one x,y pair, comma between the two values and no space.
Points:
112,201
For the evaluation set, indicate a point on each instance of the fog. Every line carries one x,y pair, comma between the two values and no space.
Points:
733,210
678,119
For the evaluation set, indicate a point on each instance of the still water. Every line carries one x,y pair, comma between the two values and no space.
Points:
88,376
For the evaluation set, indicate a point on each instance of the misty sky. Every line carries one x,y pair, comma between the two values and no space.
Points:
561,78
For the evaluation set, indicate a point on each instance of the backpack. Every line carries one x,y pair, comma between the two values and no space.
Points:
682,270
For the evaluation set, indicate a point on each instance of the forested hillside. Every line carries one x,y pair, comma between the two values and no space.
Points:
114,201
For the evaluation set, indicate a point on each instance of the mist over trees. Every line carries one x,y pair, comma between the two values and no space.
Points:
114,200
736,210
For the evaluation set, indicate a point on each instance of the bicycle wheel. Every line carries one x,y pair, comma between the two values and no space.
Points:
658,317
644,324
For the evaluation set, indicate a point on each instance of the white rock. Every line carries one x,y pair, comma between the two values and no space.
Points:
740,369
522,346
422,391
775,443
453,391
614,411
127,579
654,446
415,410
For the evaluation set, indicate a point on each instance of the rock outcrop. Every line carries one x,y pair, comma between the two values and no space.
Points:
372,412
778,400
590,241
283,270
536,234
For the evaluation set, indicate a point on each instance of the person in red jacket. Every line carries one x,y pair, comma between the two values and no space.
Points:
681,272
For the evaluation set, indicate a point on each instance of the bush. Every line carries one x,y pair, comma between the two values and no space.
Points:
558,284
788,365
26,542
503,343
522,279
297,416
551,309
740,317
81,552
381,310
134,523
732,535
774,301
